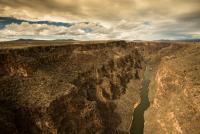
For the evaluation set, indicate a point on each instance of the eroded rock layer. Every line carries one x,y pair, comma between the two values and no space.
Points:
54,87
175,93
68,89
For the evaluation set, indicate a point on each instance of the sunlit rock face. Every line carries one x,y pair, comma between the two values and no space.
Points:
72,87
175,94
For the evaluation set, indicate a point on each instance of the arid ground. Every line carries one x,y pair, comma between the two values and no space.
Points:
99,87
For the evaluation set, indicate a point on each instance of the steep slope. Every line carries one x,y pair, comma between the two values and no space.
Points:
67,88
95,87
175,93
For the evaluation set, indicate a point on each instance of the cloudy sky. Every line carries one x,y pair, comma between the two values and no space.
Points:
99,19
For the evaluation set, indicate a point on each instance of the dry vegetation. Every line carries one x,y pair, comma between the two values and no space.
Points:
93,87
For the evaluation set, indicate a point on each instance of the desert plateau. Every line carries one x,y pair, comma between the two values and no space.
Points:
73,87
100,67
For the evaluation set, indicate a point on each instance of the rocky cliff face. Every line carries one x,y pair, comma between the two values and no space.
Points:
175,93
93,87
68,89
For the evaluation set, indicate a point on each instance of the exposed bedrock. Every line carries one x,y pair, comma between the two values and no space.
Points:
70,89
94,88
175,94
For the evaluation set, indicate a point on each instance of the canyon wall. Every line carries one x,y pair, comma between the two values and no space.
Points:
94,87
175,92
69,89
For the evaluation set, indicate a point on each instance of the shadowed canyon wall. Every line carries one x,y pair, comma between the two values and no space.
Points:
66,89
87,88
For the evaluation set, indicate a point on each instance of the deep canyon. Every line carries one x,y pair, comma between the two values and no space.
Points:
99,87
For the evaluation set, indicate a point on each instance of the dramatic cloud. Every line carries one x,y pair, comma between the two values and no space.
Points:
105,19
50,30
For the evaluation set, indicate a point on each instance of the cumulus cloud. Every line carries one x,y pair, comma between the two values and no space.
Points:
26,29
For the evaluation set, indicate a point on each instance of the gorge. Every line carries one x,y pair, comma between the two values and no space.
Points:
99,87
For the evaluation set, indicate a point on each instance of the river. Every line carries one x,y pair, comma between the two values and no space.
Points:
137,126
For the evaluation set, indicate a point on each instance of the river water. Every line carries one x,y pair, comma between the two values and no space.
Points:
137,126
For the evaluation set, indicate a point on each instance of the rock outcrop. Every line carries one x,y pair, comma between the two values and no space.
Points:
175,93
54,87
68,89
